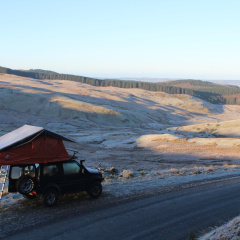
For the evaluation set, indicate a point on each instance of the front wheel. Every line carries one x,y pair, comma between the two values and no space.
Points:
50,197
95,190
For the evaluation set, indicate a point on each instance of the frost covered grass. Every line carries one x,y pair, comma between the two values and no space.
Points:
229,167
174,171
229,231
112,174
209,169
196,170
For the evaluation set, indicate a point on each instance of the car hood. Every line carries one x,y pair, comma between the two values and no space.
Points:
91,170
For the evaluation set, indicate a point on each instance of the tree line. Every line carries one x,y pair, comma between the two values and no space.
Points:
214,93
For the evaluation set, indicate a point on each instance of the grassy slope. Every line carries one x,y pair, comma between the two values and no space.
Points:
108,105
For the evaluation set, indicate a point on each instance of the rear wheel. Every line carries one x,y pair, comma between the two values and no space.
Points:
25,185
50,197
95,190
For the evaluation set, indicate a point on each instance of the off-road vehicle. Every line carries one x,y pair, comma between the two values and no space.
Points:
53,179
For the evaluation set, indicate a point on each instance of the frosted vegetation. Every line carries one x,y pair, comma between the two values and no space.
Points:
229,231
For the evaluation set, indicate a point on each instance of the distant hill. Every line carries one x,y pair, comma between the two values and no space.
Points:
211,92
227,82
208,91
42,71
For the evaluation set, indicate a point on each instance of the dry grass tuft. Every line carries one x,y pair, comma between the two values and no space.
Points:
174,171
127,174
196,170
214,144
113,169
180,140
183,171
110,170
209,169
226,165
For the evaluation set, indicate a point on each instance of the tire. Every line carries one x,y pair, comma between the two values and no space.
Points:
95,190
25,185
50,197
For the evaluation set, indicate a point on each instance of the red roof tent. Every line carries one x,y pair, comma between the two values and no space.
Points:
30,144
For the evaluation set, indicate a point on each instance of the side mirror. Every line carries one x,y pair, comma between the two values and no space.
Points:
81,162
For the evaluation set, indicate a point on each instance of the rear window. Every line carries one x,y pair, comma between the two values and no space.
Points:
16,172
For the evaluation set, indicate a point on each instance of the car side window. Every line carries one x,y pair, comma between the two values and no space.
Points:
50,170
71,168
29,170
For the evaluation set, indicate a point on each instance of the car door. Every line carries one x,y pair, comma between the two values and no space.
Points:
75,177
50,174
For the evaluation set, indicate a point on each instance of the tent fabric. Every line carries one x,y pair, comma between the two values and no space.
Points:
18,135
30,144
40,150
26,134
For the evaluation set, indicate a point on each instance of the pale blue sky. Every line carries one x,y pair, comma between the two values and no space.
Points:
197,39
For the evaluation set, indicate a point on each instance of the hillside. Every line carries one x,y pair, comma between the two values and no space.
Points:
109,106
213,93
147,134
52,102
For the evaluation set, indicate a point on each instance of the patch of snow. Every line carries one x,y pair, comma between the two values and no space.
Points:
10,199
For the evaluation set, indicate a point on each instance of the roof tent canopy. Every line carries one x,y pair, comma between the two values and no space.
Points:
26,134
31,144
